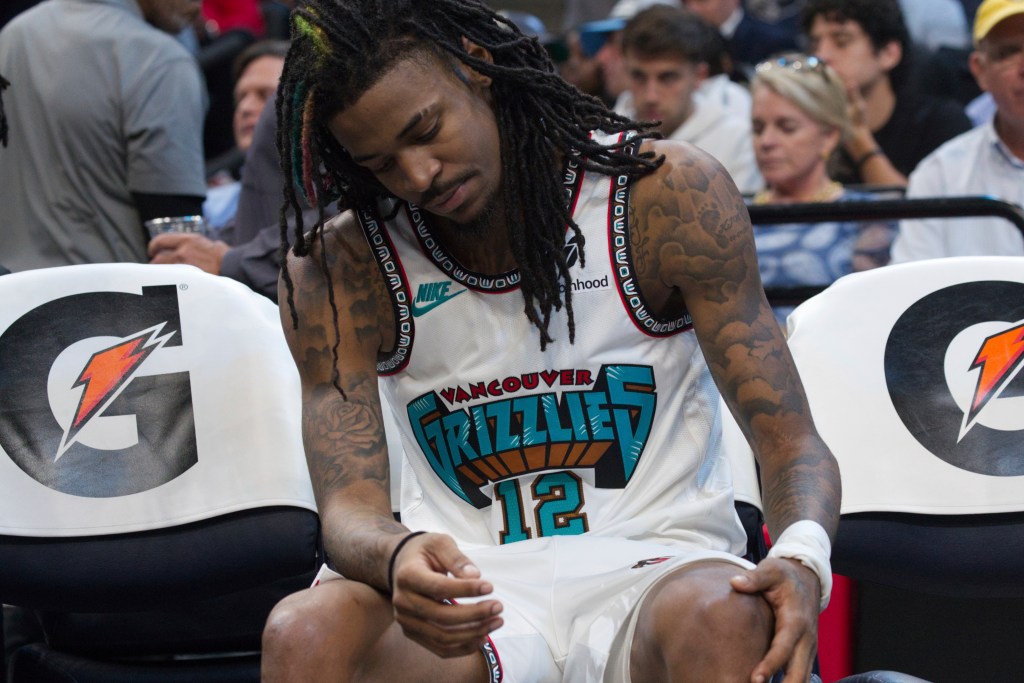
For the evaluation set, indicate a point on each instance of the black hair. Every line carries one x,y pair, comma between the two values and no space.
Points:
881,20
663,30
261,48
341,48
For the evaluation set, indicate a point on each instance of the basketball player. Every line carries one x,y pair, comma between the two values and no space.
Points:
551,301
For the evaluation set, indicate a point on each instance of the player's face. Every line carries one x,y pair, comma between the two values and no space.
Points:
663,89
171,16
845,47
790,146
998,66
428,136
254,87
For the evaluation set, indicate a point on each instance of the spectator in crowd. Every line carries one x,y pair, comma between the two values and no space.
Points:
257,71
106,115
247,248
988,160
582,69
747,38
799,120
596,63
666,52
894,123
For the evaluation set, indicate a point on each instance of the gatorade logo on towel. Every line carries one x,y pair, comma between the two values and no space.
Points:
95,403
953,365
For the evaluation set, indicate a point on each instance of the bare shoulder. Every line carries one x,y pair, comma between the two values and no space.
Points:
688,222
337,293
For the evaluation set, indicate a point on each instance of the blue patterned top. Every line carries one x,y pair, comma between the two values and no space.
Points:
802,254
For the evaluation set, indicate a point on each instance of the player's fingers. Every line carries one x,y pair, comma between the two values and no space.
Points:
778,656
445,613
445,640
798,670
416,577
449,558
761,578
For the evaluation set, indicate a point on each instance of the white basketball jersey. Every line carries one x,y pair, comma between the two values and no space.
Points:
617,434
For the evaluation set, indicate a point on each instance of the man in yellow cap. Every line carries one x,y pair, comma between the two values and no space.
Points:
988,160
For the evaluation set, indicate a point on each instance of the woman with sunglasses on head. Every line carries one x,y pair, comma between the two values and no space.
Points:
799,118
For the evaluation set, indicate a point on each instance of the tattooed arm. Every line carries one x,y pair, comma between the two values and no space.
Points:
346,448
698,251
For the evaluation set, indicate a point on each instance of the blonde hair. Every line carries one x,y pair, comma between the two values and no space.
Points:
810,84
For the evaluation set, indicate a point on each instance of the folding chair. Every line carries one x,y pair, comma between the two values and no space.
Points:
154,497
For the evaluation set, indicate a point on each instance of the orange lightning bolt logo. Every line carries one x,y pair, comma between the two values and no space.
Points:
107,372
999,360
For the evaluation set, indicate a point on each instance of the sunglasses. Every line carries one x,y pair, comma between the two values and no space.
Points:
796,62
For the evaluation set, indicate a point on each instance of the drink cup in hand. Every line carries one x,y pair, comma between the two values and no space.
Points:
158,226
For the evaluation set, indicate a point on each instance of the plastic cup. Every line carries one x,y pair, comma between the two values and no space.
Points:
158,226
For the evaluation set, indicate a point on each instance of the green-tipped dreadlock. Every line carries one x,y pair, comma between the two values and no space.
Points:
341,48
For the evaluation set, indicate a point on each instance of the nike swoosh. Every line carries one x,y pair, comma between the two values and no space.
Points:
417,311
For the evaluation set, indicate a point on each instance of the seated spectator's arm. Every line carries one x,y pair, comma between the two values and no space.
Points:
871,250
255,263
869,160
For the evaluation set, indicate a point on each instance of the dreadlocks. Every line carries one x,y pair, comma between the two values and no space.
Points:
341,48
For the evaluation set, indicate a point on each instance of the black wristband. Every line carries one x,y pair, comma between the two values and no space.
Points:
394,556
867,155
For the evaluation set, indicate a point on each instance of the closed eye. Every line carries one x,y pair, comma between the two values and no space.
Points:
430,134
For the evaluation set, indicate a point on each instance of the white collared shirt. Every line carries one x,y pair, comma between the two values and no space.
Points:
974,163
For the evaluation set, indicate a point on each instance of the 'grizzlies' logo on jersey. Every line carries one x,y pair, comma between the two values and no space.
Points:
604,428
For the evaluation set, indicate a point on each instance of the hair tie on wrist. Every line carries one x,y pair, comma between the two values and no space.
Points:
394,556
867,155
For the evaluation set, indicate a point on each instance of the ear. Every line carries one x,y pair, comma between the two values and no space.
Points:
976,62
478,52
890,55
701,73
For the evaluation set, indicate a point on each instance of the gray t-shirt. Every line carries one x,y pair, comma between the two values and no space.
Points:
101,105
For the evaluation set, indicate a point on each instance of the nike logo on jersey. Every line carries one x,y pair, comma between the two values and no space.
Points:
430,295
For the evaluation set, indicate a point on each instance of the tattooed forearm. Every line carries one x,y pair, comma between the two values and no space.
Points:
344,323
344,442
803,487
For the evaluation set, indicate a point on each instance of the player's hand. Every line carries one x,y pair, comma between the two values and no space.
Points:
430,575
793,591
188,247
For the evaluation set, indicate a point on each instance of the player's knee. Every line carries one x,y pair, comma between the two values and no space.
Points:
293,621
700,617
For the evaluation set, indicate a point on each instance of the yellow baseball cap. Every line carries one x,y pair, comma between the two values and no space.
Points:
991,12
